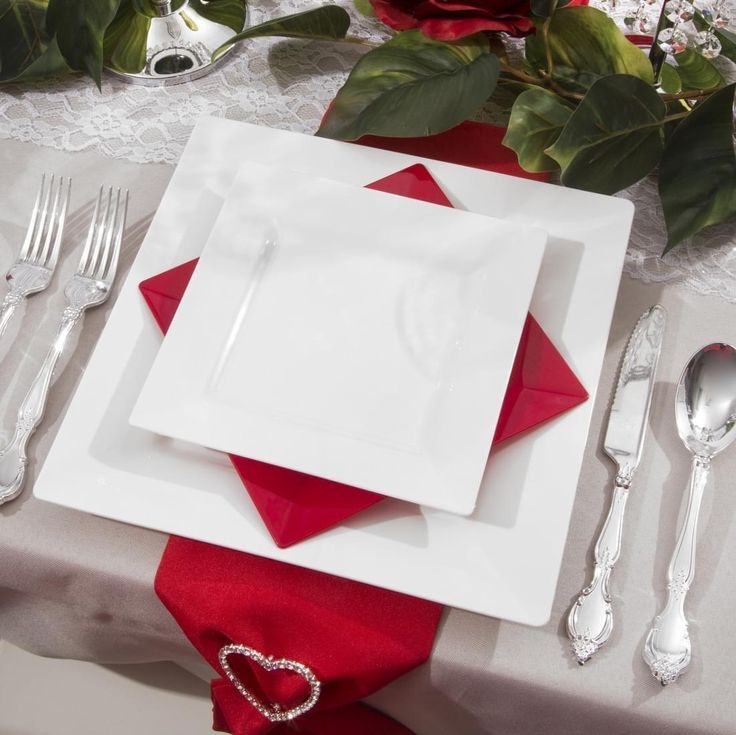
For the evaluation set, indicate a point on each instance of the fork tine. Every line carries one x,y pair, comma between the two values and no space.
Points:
51,226
98,252
90,234
54,255
112,211
34,218
33,254
109,274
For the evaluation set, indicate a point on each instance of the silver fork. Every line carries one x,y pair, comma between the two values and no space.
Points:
88,287
33,269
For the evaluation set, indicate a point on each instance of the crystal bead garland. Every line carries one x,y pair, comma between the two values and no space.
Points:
713,11
706,43
674,40
641,17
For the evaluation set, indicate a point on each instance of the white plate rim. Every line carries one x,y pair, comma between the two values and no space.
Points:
521,586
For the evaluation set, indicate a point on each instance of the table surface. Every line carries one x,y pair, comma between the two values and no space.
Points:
77,586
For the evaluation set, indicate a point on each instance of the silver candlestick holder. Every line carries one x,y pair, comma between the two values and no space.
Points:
181,38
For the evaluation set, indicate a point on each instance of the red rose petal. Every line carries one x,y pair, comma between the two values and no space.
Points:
493,10
398,16
451,20
454,29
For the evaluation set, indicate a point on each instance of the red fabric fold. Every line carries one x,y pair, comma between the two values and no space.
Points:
353,719
473,144
295,505
354,637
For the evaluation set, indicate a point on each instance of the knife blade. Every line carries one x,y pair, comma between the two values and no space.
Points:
590,620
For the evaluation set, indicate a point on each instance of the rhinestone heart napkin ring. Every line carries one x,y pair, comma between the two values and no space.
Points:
272,712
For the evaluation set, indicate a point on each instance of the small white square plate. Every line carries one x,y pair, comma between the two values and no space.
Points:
501,561
347,333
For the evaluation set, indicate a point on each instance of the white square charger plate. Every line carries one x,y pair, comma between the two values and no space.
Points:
503,560
351,334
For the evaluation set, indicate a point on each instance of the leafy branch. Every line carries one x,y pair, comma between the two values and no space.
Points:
586,107
547,81
586,104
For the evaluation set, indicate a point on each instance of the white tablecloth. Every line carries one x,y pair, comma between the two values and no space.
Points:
77,586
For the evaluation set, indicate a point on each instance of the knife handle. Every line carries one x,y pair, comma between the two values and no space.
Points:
590,621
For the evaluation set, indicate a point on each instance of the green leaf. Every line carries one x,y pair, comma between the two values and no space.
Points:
697,176
50,64
574,80
26,50
329,23
728,43
411,86
365,8
126,40
507,92
537,118
614,137
229,13
79,26
585,39
696,72
545,8
22,38
669,79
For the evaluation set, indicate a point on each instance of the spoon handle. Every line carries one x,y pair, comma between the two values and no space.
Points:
590,621
667,648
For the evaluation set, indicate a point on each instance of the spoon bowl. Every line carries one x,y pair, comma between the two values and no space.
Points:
705,402
705,412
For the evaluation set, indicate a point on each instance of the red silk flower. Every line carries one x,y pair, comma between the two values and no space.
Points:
450,20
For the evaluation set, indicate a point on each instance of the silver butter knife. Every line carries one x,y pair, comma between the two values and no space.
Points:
590,621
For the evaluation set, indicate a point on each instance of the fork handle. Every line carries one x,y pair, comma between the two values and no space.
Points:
590,621
10,302
13,458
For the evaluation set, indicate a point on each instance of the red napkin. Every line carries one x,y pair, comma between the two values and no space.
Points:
469,144
355,638
294,505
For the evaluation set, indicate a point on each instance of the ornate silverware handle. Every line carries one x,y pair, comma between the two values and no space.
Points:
590,621
667,648
7,309
13,458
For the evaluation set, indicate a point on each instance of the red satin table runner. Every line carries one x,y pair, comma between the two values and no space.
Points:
356,638
295,626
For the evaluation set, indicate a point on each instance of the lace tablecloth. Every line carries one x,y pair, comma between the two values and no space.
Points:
288,84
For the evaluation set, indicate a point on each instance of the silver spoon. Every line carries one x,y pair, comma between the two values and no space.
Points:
705,411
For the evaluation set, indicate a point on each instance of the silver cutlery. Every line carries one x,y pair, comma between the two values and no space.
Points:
705,412
88,287
590,621
34,268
